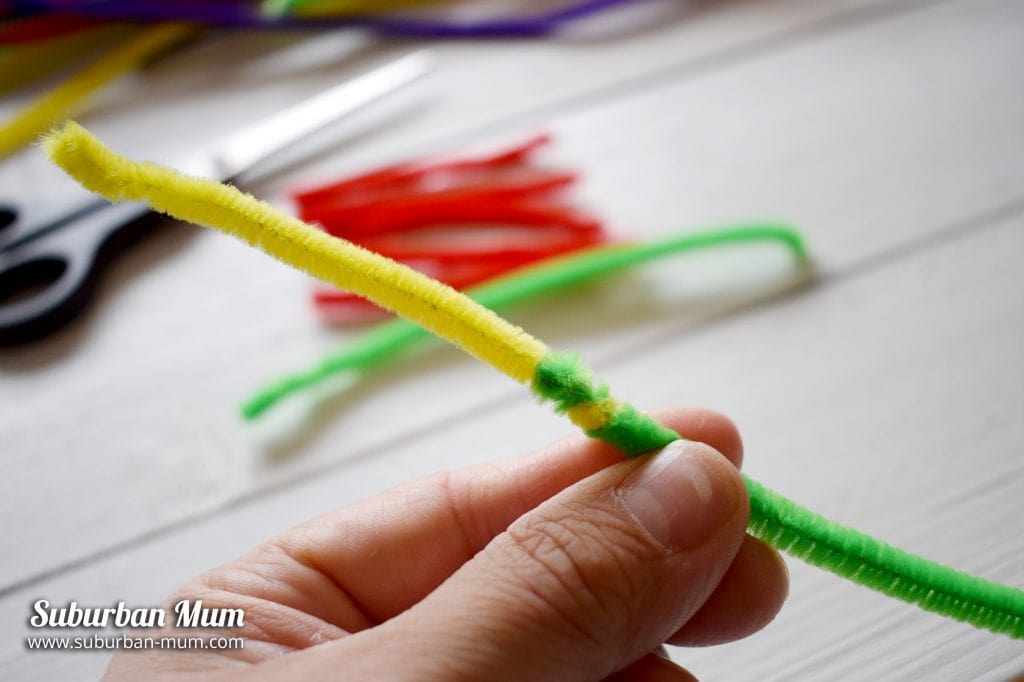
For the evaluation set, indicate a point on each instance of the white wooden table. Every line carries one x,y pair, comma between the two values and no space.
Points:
888,394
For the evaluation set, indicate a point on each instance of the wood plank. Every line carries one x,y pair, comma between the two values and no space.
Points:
888,399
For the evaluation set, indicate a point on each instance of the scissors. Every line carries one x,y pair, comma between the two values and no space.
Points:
50,255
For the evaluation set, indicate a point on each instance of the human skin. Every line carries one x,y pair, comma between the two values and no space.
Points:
567,564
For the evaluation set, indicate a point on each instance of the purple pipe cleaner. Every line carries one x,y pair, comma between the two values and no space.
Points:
243,15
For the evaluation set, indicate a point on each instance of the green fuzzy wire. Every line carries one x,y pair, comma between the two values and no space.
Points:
787,526
563,379
794,529
389,340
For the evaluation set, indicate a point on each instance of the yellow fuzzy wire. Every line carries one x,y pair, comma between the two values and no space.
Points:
63,100
427,302
594,415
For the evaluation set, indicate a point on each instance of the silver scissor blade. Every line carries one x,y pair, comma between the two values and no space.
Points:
241,151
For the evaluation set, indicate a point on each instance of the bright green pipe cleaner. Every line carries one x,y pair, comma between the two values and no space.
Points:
389,340
794,529
787,526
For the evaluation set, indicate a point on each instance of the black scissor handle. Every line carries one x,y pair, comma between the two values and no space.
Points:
45,283
7,217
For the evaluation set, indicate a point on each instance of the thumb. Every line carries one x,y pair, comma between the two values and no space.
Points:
593,579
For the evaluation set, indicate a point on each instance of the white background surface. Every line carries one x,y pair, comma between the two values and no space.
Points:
887,394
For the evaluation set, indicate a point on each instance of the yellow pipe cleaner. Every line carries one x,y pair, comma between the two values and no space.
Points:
396,287
63,101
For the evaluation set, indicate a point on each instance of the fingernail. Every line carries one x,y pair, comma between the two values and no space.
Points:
681,495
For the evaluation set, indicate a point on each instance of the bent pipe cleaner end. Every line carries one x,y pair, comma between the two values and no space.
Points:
390,340
556,377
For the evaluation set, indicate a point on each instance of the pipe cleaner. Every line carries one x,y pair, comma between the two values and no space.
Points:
486,216
553,376
240,15
59,103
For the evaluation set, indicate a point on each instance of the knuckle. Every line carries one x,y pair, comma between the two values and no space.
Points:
261,587
586,567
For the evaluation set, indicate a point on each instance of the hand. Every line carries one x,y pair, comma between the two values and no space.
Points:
568,564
